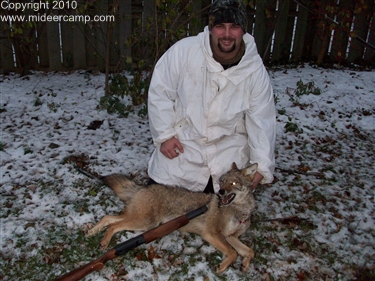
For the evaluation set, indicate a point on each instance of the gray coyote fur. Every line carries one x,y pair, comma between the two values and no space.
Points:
227,217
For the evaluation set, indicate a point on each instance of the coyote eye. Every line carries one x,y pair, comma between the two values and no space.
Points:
234,183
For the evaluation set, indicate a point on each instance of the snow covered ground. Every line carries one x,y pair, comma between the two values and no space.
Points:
321,208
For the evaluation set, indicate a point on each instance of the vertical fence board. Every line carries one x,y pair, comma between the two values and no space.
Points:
73,43
182,17
323,35
196,23
91,54
370,53
361,27
69,43
300,34
43,46
204,15
79,44
280,44
137,10
264,27
149,12
6,57
91,30
30,49
73,34
311,30
114,51
260,27
125,30
6,53
100,36
290,30
54,52
341,31
250,10
319,32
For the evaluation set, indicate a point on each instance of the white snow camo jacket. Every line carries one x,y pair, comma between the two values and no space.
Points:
219,116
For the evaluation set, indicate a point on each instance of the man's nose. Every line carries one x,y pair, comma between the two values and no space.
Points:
227,31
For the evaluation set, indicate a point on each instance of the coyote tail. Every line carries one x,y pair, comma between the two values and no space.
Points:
122,186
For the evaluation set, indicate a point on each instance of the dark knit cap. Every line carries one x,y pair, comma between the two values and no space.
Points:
228,11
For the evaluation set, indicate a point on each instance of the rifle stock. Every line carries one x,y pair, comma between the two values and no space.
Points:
146,237
84,270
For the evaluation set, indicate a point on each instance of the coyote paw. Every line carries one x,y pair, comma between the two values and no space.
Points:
220,269
246,264
103,245
90,232
230,258
93,230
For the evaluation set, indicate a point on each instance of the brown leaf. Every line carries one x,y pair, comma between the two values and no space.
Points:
30,224
122,272
301,276
274,241
178,263
95,124
47,260
152,253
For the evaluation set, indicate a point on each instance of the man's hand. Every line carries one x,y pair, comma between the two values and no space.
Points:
257,178
171,148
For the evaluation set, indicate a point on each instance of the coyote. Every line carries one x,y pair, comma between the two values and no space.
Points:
227,217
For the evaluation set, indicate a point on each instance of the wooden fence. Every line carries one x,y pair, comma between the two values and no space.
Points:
325,31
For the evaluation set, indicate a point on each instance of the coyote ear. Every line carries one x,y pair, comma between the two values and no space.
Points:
234,166
250,171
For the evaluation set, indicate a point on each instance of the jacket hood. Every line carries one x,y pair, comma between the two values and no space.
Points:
249,63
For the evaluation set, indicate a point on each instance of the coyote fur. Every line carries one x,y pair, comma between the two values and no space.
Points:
227,217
